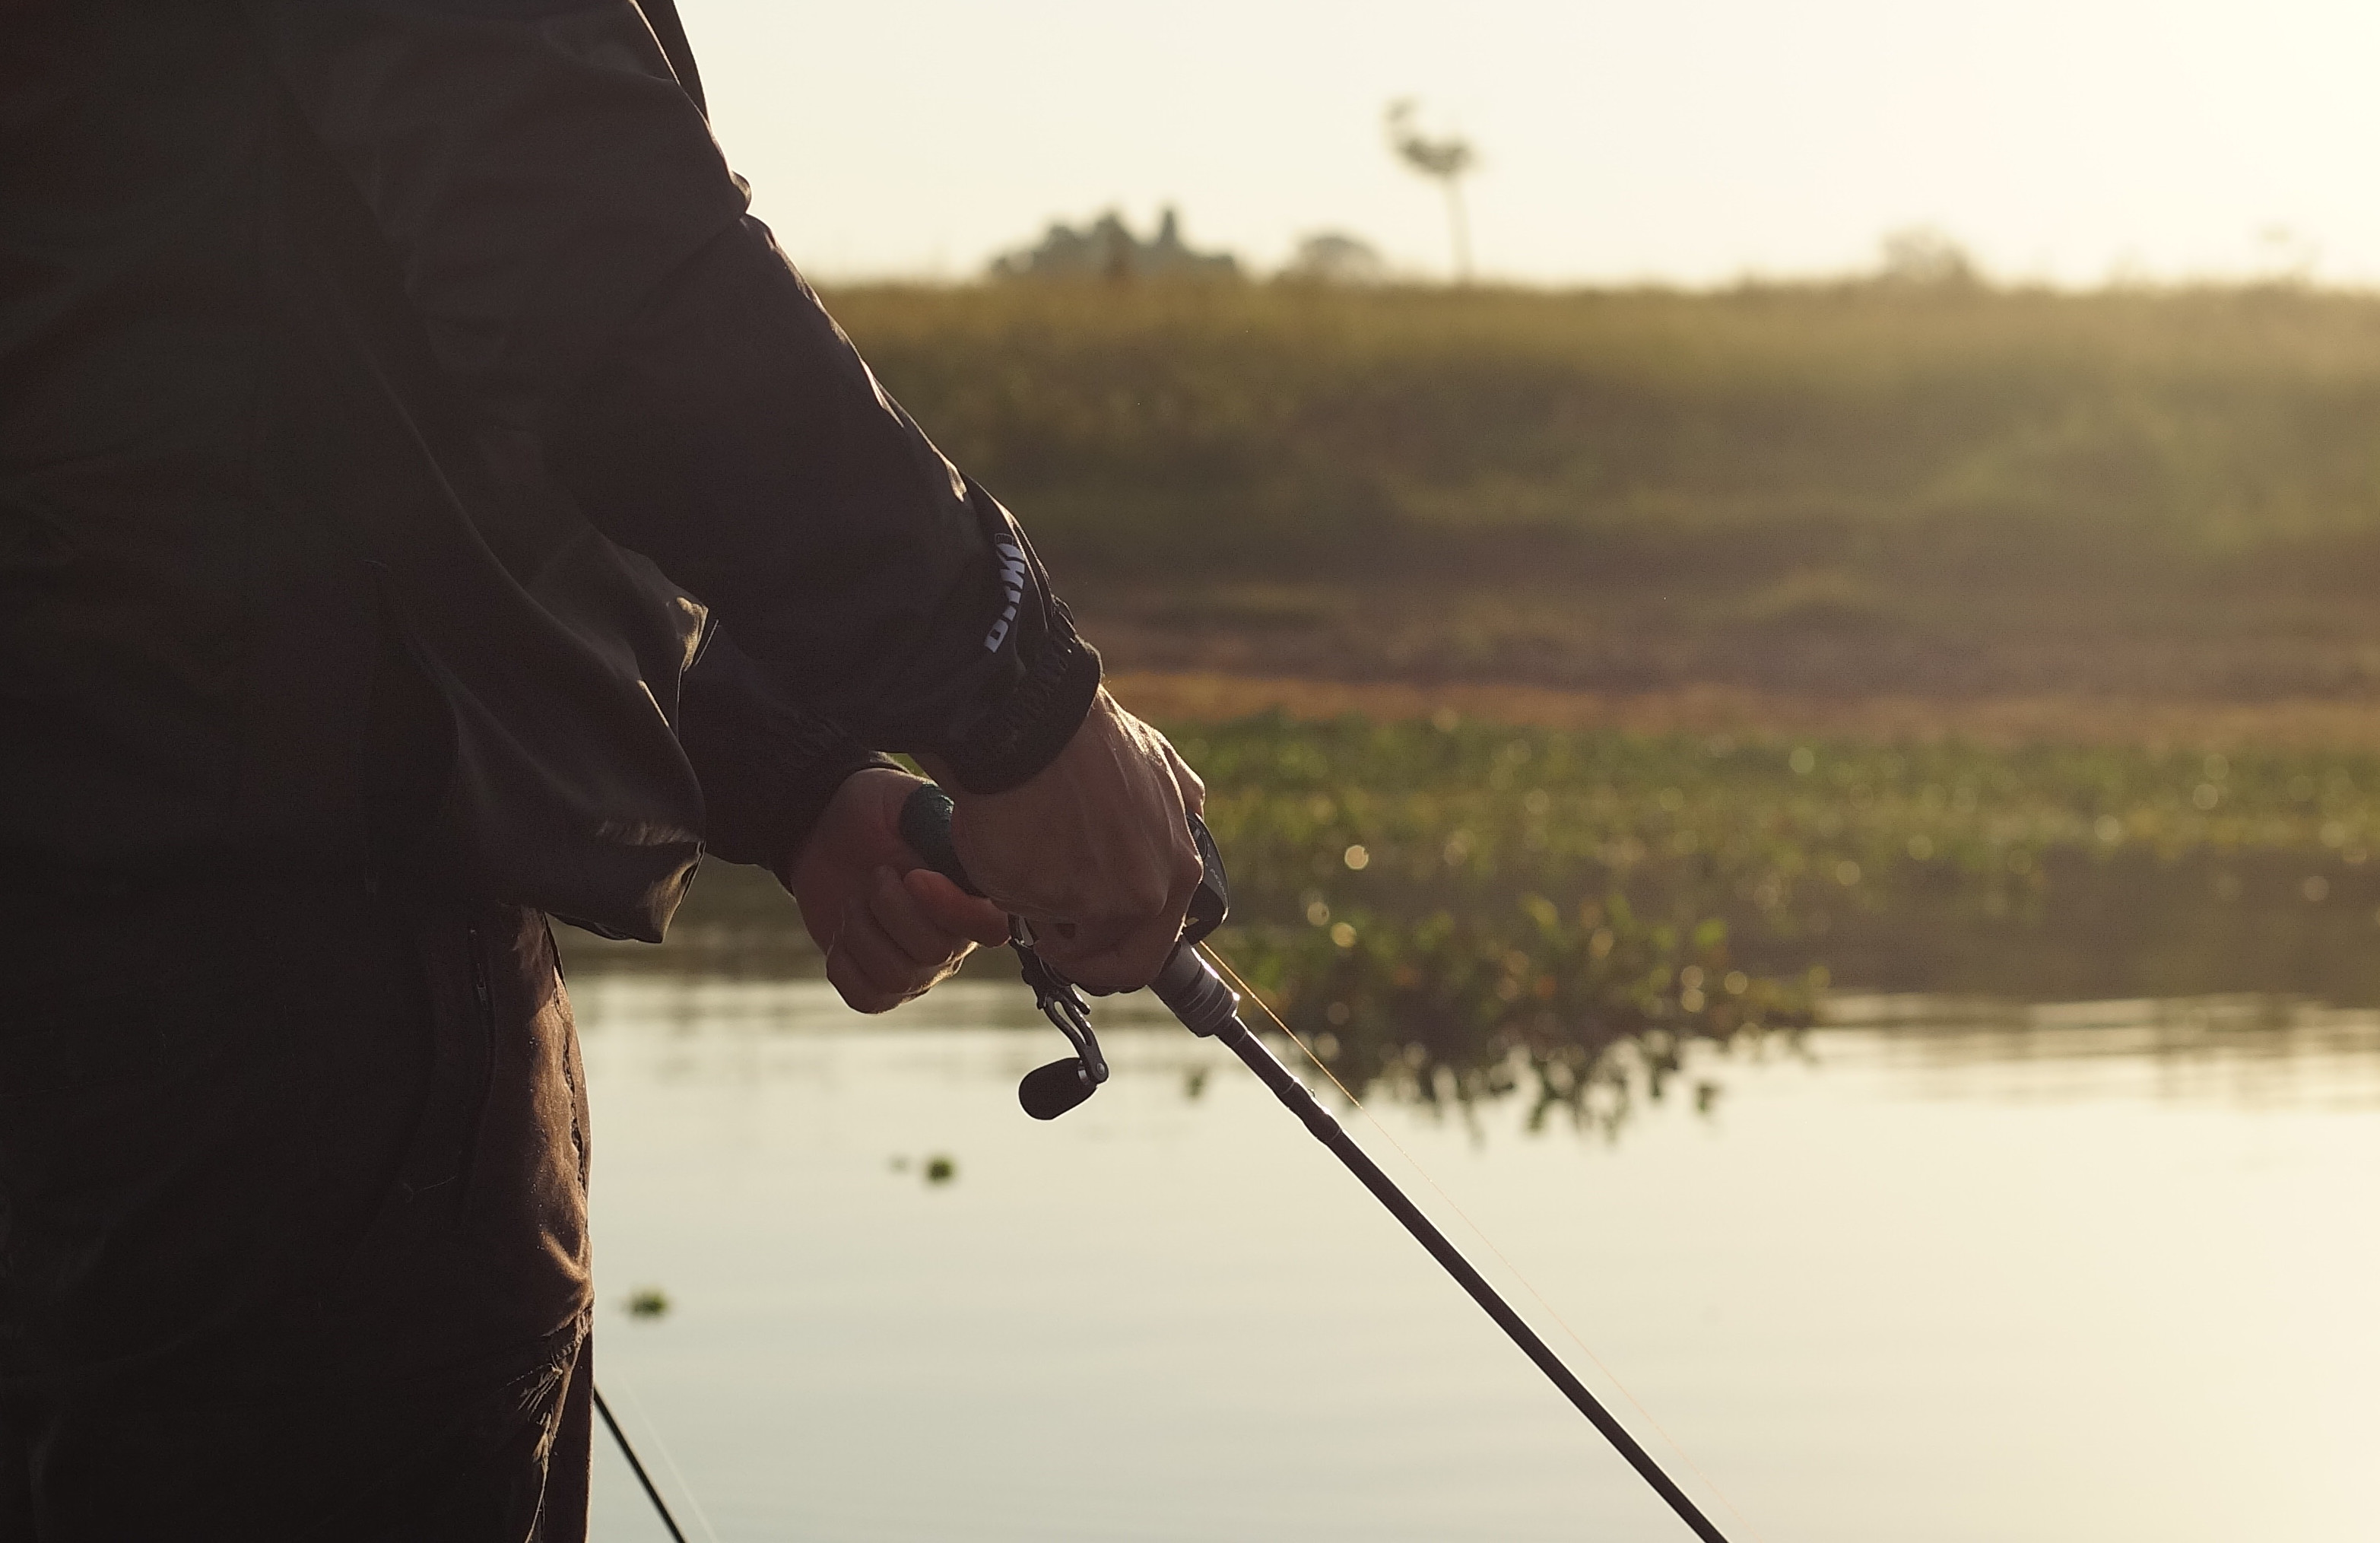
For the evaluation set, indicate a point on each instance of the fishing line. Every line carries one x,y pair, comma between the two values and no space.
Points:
669,1460
660,1444
1240,984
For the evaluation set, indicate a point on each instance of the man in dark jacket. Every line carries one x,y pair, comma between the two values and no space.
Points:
429,502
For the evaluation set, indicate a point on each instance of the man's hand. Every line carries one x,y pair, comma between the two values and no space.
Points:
891,927
1094,852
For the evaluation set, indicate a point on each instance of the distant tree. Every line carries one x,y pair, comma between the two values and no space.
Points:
1444,160
2291,258
1332,256
1108,249
1924,258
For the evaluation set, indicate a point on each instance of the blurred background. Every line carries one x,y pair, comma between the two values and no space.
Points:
1778,606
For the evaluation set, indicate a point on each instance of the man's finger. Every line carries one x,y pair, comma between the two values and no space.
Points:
956,911
880,968
851,982
905,923
1127,967
1124,954
1192,785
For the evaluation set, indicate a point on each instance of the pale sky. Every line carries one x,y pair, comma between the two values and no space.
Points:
1685,141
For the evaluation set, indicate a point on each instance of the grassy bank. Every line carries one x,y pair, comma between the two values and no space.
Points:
1863,486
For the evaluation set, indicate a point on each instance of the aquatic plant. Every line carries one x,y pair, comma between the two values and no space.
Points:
1582,1005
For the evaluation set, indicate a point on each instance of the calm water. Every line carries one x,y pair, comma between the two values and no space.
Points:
1938,1273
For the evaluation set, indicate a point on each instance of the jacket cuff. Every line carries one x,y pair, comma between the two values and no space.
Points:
768,767
1039,714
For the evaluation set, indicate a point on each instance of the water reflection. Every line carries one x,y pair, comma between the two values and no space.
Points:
1947,1270
2256,1051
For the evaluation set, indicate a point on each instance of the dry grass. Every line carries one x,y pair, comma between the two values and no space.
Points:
1823,492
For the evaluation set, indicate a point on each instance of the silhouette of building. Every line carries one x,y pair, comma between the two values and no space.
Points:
1108,249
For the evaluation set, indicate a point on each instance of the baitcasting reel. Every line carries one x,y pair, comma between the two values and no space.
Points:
1049,1091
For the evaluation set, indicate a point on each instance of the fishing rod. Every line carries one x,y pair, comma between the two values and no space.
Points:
635,1467
1194,993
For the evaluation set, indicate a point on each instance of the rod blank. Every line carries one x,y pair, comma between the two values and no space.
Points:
1208,1007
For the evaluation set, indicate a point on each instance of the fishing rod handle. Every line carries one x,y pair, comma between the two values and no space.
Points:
926,827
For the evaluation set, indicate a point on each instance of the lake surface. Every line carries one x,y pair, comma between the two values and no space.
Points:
1938,1270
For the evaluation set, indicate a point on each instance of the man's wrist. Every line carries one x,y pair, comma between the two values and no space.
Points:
1012,743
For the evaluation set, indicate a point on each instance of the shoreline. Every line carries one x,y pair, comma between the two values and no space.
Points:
2009,721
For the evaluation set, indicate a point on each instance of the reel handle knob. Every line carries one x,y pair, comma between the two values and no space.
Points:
1049,1091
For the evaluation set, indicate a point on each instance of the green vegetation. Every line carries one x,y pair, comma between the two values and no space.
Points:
1448,908
1466,810
1939,483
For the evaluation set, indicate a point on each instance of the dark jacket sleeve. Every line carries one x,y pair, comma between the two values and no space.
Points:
734,436
769,766
583,262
